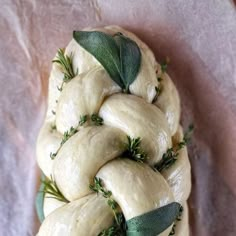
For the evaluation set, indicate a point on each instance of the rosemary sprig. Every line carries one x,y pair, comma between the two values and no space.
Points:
170,157
177,219
50,187
134,151
66,64
97,120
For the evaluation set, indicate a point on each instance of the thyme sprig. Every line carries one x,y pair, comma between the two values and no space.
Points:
134,151
115,229
51,188
118,228
98,188
181,209
170,157
96,120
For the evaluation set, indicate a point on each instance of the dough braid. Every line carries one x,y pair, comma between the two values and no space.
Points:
98,150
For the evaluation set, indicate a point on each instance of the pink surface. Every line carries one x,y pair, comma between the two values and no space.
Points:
200,39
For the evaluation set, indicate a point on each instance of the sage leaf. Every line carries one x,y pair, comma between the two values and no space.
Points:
119,55
103,47
40,201
130,59
153,222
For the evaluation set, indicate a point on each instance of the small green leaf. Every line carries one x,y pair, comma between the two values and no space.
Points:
153,222
40,201
103,47
130,59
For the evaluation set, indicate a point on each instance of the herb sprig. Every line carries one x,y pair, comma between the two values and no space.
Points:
118,228
159,89
66,65
98,188
115,229
96,120
134,151
170,157
51,188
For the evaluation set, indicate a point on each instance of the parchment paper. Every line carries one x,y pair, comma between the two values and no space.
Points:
200,39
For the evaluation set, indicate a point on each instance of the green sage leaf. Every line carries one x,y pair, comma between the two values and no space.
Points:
40,201
130,59
103,47
153,222
119,55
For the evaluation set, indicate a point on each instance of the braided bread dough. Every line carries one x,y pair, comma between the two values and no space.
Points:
97,151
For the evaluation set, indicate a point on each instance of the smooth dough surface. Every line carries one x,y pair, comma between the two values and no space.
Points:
83,95
80,158
135,186
178,175
48,142
86,216
137,118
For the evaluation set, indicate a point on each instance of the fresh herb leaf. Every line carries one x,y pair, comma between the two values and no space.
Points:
50,187
83,120
98,188
97,120
68,134
103,47
170,157
153,222
130,59
158,92
116,229
119,55
66,64
134,151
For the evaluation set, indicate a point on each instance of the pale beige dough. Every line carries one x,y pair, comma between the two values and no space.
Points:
86,216
137,118
80,158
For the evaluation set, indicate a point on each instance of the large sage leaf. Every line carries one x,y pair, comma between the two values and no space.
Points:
130,59
119,55
104,49
153,222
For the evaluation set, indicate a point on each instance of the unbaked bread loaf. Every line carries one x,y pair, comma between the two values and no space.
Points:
99,151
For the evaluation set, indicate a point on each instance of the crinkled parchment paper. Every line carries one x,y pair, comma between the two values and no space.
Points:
200,39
